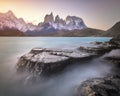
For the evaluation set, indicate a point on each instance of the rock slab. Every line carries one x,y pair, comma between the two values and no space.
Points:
49,59
108,86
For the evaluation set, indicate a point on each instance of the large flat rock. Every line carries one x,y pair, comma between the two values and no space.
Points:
50,59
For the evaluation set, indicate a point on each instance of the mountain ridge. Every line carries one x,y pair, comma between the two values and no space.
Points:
11,32
72,26
9,20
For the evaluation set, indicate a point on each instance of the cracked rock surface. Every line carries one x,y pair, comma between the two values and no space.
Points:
49,59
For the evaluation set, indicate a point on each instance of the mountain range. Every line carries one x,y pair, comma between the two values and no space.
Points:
50,24
10,25
114,31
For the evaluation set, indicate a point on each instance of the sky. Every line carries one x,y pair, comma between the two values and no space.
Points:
100,14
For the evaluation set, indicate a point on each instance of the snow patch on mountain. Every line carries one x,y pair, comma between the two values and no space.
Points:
11,21
50,22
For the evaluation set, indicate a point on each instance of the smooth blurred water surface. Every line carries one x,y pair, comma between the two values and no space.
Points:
12,84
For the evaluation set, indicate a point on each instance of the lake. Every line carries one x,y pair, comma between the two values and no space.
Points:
64,84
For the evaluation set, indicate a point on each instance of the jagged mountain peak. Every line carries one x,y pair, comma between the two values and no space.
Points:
57,19
21,20
73,19
49,18
9,12
50,23
74,22
71,22
9,20
51,14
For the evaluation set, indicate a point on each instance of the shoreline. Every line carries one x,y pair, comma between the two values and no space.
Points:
62,58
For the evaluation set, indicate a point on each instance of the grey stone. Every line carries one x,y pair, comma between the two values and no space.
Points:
49,59
108,86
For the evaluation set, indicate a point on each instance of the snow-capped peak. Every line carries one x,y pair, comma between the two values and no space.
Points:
49,18
71,22
9,20
9,13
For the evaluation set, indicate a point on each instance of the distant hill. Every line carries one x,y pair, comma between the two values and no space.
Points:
11,32
114,31
79,33
88,32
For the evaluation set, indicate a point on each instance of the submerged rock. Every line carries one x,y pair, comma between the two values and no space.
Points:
46,60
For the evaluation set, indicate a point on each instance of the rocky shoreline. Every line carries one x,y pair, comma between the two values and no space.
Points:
109,85
42,61
47,60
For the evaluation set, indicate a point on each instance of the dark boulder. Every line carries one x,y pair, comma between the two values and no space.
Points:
115,42
108,86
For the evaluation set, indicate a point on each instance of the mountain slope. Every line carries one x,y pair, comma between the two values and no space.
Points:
50,24
114,31
9,20
88,32
11,32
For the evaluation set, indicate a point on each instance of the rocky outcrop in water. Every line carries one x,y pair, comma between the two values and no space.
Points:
102,47
96,49
107,86
52,59
46,60
115,41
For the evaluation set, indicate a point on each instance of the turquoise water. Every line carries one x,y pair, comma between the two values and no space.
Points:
12,84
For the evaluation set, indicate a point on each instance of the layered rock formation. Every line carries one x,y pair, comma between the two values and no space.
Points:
42,61
51,58
49,18
109,85
46,60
